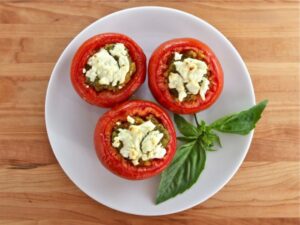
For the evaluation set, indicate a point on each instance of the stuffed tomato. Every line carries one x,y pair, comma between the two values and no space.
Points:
135,140
107,69
185,76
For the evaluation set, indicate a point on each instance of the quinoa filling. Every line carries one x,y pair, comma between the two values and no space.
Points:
110,68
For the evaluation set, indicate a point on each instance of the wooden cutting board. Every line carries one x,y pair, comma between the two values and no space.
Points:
35,190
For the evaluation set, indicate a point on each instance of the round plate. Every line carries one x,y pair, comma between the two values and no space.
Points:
71,121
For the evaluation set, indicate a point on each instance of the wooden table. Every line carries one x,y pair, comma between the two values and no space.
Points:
35,190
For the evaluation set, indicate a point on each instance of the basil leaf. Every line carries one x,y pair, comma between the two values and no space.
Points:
240,123
183,172
201,127
186,146
187,139
211,149
215,139
186,128
208,147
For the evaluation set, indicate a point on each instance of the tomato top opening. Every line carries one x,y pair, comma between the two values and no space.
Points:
159,71
110,68
140,140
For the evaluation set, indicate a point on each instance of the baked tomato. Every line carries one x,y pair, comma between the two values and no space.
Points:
185,76
135,140
107,69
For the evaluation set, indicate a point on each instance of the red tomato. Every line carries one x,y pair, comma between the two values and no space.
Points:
107,98
110,156
158,82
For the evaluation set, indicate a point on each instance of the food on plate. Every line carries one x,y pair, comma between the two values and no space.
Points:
107,69
135,140
185,76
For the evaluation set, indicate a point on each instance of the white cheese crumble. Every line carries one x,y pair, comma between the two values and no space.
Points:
177,56
130,120
176,81
189,78
109,70
140,142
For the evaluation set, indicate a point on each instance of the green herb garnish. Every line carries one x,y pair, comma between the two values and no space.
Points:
189,160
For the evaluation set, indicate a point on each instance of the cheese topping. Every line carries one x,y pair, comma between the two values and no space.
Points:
140,142
189,77
177,56
130,120
109,66
176,81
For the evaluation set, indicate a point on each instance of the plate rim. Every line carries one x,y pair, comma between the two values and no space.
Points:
128,10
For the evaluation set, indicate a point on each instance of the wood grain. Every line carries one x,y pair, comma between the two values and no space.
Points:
33,188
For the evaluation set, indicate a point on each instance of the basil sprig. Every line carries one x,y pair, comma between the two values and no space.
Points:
189,160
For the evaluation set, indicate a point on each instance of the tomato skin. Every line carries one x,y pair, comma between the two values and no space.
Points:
111,158
159,86
107,98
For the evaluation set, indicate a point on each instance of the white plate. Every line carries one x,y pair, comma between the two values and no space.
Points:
70,121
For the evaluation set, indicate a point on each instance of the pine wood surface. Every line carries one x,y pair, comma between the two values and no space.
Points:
35,190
